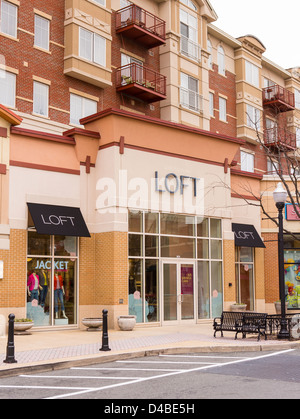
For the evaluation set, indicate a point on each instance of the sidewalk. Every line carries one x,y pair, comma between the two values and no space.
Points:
44,351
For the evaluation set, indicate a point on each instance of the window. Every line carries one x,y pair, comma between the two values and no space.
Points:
41,32
252,74
40,98
222,109
9,13
189,97
209,49
189,35
247,162
298,137
244,274
102,2
272,166
7,88
81,107
297,99
190,4
253,117
211,104
221,60
92,47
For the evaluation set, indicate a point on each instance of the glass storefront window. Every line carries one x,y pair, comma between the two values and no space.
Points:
51,281
151,291
292,278
157,236
38,244
244,273
178,225
174,247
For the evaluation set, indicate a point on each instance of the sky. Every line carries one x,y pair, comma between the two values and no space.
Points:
276,23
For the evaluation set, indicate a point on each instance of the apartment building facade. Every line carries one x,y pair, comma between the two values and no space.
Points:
132,161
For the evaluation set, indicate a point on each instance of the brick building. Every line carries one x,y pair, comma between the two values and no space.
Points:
129,145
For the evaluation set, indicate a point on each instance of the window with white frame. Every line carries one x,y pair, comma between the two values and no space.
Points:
41,32
209,49
92,47
80,107
189,35
252,74
211,104
7,88
221,60
253,117
272,166
222,109
9,16
247,162
102,2
40,98
298,137
189,96
190,4
297,99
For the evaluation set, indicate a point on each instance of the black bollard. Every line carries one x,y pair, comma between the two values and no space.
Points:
10,352
105,346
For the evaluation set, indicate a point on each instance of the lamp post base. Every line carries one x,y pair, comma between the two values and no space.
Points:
284,332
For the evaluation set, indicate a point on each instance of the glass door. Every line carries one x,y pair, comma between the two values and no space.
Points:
178,296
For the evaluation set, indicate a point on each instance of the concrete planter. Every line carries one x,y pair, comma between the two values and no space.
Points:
238,307
93,324
21,328
278,307
127,322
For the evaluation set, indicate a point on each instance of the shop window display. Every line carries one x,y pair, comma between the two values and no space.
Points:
292,278
51,279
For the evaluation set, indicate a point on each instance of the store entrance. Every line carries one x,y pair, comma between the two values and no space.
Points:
178,292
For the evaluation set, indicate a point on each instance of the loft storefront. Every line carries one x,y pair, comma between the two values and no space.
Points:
175,267
52,264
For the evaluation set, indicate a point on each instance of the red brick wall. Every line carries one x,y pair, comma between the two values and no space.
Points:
225,86
50,66
271,267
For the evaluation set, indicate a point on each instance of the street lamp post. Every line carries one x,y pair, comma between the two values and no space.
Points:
280,196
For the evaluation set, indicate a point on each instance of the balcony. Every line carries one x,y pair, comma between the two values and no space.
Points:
280,138
141,82
278,99
143,27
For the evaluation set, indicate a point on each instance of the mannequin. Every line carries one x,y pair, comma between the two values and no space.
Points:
44,282
59,293
33,286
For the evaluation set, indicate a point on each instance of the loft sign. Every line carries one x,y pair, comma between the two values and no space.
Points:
172,183
57,219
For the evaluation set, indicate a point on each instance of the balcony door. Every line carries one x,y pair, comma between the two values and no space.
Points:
134,73
178,292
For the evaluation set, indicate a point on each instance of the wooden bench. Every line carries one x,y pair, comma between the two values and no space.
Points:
241,322
229,321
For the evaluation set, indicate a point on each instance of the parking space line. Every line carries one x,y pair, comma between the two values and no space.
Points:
170,374
203,356
80,377
127,369
48,387
169,362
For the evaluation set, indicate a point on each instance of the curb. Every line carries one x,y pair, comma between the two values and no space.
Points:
103,358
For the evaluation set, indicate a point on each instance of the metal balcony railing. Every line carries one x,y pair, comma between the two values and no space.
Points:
280,137
278,98
141,82
137,23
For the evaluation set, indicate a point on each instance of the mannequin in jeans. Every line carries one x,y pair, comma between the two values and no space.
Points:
33,286
59,293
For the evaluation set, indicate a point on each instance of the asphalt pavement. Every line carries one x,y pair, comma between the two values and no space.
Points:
50,350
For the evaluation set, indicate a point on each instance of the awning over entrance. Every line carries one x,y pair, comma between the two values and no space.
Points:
58,220
245,235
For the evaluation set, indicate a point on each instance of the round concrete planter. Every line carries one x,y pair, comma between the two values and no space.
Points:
21,328
278,307
126,322
238,307
93,325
